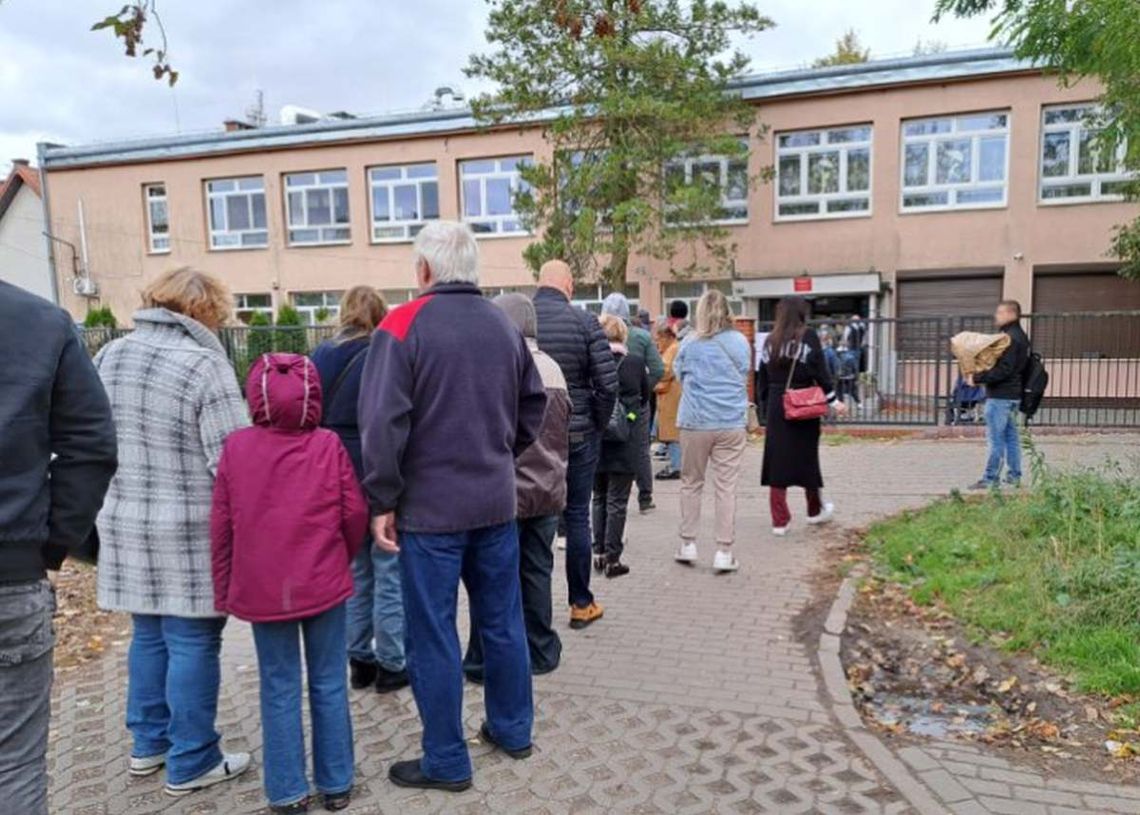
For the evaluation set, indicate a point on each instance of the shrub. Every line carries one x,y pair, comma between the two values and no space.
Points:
100,318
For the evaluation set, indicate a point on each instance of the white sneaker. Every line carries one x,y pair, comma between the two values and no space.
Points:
825,515
560,542
779,531
148,765
725,562
686,552
232,765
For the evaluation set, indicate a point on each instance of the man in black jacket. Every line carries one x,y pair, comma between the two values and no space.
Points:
574,338
58,453
1004,383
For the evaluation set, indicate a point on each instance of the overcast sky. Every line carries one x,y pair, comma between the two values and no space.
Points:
61,82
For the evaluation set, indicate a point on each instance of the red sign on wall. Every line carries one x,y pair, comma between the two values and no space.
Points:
801,284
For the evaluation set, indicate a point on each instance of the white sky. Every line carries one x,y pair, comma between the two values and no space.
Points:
61,82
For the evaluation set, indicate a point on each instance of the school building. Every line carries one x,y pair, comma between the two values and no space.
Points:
928,185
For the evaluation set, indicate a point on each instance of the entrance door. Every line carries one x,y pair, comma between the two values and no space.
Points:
830,308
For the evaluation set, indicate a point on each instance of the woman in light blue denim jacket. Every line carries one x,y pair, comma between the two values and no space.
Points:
713,364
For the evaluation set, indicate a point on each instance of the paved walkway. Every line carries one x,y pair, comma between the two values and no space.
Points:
692,696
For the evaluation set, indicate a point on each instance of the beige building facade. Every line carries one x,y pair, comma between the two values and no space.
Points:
915,187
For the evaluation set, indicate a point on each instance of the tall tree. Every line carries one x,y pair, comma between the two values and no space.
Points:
849,50
626,90
1089,38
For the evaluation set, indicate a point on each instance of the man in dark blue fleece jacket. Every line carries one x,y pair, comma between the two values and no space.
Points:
57,456
450,396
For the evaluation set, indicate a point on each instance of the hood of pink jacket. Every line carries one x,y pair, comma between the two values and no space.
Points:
284,392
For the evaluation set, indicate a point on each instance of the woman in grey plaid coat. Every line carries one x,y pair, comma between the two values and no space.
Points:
175,398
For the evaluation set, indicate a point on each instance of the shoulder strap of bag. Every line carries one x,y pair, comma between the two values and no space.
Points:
795,359
344,372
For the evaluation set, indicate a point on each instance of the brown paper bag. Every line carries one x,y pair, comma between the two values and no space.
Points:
977,352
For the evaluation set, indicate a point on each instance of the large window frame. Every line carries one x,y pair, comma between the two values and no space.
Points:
589,296
305,222
308,303
731,179
389,186
157,209
247,304
476,175
942,137
839,153
228,200
691,292
1071,121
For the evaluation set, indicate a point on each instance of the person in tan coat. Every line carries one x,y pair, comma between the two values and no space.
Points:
668,390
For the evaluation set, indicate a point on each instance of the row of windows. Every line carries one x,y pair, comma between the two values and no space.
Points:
952,162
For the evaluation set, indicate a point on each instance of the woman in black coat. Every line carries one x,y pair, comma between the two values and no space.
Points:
791,448
617,464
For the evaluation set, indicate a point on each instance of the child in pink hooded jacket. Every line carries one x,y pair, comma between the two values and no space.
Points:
288,518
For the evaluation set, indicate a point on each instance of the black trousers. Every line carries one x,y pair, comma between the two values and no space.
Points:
611,502
644,465
536,565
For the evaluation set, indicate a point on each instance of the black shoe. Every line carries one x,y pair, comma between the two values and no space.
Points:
474,677
409,775
616,569
335,803
646,506
296,808
388,681
361,674
668,474
517,755
599,563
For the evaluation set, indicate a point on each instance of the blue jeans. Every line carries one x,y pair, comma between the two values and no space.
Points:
173,674
1003,440
487,561
579,491
674,449
376,609
279,666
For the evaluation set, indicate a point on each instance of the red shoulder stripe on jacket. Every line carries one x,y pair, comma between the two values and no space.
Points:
399,320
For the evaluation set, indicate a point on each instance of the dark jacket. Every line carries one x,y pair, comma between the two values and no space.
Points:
342,362
541,469
449,397
1006,379
633,391
574,338
51,403
288,515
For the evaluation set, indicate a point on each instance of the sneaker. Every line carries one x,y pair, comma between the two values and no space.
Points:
230,767
668,474
361,674
582,616
725,562
1012,483
517,755
825,515
147,765
616,569
646,506
686,552
389,681
338,801
296,808
982,484
779,531
409,775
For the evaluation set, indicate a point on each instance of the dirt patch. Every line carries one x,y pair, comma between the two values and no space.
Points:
915,672
83,631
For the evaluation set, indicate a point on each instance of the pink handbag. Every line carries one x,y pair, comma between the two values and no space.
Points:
803,404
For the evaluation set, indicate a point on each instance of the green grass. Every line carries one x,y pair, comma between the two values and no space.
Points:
1055,570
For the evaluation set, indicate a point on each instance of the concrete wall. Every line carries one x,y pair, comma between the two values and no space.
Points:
23,253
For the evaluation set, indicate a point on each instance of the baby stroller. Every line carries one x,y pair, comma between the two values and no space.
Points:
965,403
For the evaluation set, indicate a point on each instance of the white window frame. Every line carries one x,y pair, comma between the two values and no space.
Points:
590,296
735,302
516,185
330,302
248,193
956,132
242,306
321,180
822,199
157,243
1096,180
408,227
689,162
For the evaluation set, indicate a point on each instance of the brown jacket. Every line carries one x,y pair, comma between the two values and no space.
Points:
541,469
668,396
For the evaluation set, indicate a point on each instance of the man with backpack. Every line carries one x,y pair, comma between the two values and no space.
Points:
1004,384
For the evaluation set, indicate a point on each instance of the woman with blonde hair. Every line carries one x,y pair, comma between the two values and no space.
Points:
376,608
175,398
712,365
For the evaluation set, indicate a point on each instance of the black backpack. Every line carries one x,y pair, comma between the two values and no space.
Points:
620,427
1034,382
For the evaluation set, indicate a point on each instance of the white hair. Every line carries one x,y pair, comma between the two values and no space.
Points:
450,251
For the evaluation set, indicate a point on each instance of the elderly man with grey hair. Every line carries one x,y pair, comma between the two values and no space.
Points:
641,345
450,396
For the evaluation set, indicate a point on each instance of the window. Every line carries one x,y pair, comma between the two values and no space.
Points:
157,219
237,213
1075,166
691,290
488,188
394,297
246,305
494,291
317,207
590,297
317,306
823,173
955,163
403,198
729,174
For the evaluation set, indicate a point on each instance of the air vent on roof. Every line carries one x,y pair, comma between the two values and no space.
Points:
445,97
297,115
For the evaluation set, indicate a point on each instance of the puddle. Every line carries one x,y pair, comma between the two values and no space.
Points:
922,717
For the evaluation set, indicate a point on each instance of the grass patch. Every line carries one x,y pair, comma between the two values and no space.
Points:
1054,571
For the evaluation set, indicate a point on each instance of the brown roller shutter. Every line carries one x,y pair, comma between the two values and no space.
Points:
1085,337
923,305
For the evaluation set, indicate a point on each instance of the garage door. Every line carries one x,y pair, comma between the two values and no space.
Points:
1085,336
970,300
